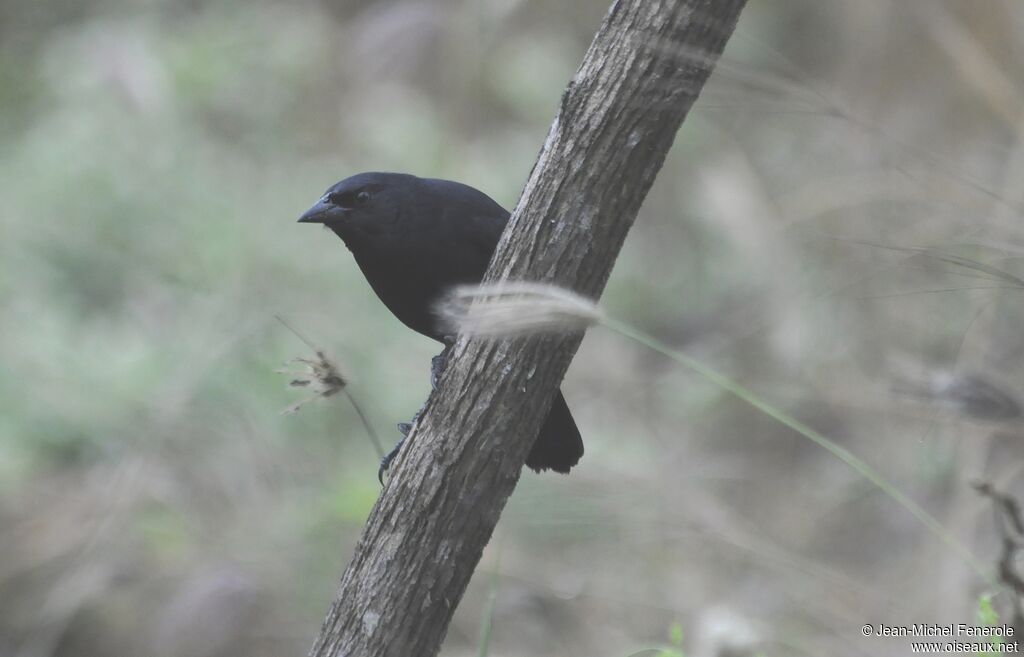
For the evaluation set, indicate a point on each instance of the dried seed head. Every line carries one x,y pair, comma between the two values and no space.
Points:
321,375
516,308
325,379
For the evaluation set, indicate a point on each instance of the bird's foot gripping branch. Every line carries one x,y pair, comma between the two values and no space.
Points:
437,365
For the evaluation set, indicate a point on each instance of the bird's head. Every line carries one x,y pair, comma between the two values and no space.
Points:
365,203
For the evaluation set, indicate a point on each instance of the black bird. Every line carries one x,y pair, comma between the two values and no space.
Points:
414,239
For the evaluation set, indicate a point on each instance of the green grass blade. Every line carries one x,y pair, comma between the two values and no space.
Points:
844,455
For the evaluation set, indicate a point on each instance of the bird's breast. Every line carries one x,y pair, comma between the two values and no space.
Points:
411,282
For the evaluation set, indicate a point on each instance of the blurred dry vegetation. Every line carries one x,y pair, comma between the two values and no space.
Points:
838,227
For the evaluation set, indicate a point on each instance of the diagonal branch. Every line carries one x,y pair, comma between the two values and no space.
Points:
617,120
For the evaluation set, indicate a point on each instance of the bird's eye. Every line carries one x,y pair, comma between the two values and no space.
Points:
349,199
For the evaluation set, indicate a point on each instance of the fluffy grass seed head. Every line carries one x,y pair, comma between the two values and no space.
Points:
516,308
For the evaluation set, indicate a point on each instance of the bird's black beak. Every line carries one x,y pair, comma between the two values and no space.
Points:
320,213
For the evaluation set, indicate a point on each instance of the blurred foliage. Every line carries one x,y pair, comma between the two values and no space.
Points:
155,154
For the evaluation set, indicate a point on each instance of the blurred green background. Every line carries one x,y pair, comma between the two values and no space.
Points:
155,154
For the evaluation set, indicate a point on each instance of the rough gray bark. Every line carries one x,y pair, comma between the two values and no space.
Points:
617,120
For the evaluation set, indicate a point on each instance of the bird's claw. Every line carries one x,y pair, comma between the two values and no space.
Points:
437,366
385,463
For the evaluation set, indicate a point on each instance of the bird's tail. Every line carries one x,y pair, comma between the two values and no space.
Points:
559,445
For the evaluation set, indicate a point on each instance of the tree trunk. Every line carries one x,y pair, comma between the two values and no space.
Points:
617,120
